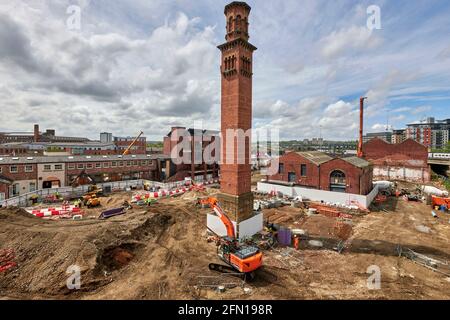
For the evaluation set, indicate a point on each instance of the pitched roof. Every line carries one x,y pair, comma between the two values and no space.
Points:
357,162
315,157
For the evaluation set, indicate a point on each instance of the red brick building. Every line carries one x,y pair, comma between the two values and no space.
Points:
406,161
122,143
20,175
198,142
317,170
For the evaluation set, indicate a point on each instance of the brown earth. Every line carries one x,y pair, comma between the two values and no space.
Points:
161,252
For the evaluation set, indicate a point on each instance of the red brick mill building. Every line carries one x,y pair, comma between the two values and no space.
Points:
317,170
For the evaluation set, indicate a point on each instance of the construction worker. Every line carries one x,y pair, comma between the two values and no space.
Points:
296,242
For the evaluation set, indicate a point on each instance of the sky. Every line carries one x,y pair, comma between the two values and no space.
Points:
151,64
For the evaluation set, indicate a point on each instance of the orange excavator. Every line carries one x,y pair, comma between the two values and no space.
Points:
241,259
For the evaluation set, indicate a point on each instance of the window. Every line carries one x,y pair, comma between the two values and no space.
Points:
292,177
13,169
89,166
80,166
47,167
303,172
120,163
128,163
71,166
105,164
144,162
29,168
32,187
98,165
2,196
338,182
1,169
114,164
58,167
15,189
281,168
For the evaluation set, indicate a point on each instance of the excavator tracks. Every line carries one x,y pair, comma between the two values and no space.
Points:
231,271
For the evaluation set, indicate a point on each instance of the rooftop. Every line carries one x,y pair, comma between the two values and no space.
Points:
357,162
64,159
315,157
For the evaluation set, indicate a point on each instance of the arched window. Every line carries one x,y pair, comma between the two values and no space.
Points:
230,24
338,181
238,23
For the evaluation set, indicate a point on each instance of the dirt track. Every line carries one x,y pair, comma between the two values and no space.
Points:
162,253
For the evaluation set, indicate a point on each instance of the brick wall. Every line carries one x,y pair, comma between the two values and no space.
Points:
132,168
359,180
292,163
377,149
21,173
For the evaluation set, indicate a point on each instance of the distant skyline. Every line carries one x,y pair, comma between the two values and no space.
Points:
152,64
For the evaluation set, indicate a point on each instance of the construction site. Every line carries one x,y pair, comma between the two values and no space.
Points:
162,249
321,227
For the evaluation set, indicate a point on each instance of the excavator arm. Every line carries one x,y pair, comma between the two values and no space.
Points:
222,216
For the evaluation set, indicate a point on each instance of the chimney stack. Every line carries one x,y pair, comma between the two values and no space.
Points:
361,126
36,133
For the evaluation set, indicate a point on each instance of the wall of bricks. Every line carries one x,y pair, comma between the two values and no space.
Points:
359,180
21,173
377,148
292,163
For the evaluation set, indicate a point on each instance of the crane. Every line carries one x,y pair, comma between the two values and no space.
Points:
243,259
127,150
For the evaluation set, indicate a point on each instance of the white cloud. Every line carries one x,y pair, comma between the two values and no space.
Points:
352,39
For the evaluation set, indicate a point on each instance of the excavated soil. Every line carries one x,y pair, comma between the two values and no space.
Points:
161,252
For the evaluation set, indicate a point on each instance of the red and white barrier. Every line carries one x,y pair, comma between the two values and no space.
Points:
50,212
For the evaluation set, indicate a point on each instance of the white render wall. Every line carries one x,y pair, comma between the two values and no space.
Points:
321,195
247,228
401,173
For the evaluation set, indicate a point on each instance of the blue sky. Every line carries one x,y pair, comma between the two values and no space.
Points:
151,64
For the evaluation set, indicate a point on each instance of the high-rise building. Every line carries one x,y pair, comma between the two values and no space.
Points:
106,137
398,136
431,132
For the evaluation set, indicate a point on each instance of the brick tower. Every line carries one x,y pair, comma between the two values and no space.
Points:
236,197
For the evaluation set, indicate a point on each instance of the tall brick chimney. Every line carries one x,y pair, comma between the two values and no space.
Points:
36,133
236,197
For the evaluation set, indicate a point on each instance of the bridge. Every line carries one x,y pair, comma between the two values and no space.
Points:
440,163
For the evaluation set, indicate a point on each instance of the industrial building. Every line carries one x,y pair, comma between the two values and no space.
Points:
406,161
19,175
198,141
317,170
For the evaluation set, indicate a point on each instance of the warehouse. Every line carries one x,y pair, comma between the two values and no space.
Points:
406,161
317,170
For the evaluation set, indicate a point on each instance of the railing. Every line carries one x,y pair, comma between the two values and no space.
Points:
24,199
